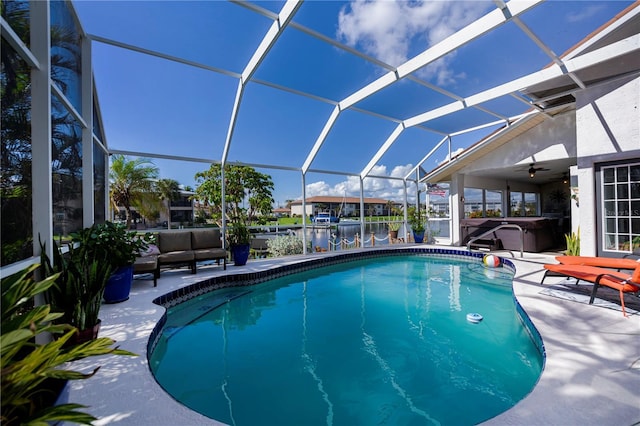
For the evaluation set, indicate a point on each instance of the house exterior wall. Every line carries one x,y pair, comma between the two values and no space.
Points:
552,139
608,129
296,209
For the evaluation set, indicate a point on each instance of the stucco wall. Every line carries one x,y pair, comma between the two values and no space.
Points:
607,129
296,209
552,139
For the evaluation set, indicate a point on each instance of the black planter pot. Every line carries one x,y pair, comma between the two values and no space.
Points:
240,254
119,285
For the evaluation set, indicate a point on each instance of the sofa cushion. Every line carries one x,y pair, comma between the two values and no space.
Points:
145,264
174,241
176,256
211,253
209,238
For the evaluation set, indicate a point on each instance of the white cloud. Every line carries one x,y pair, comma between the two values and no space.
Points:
453,154
318,188
584,13
391,189
387,29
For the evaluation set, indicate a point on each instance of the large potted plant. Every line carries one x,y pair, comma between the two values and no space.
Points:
417,223
78,292
239,239
122,248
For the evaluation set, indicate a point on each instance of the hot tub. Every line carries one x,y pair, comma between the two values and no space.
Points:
540,233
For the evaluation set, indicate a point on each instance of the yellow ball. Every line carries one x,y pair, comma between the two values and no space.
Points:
491,261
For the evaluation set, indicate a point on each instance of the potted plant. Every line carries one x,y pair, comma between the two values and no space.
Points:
78,292
417,223
573,243
394,227
239,239
122,248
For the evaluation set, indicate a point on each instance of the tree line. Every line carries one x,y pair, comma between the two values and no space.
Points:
134,184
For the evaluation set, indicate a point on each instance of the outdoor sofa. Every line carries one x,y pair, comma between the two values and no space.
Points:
183,248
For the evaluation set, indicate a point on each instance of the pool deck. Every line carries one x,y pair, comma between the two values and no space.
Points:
591,375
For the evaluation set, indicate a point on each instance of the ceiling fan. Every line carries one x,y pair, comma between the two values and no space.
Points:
533,170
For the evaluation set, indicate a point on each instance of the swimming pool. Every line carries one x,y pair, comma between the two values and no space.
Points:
378,340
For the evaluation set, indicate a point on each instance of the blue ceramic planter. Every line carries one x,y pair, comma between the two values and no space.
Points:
119,285
240,254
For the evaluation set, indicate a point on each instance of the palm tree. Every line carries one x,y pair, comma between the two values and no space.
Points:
390,206
168,190
131,181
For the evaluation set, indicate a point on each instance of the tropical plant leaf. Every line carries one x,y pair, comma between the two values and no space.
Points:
63,412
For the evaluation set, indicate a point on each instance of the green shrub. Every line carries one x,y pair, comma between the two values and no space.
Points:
27,365
285,245
573,243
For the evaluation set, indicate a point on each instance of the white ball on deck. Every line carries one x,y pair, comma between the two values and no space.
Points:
491,261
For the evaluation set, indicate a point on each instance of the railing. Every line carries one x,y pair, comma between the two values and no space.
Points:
501,226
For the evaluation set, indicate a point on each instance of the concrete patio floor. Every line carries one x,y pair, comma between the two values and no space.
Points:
591,375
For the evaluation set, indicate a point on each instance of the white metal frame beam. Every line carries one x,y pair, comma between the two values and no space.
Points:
622,47
14,41
467,34
274,32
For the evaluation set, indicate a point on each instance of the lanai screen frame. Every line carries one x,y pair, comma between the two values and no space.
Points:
504,12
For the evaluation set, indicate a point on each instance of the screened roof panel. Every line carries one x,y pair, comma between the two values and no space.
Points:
328,72
158,106
493,61
465,140
171,118
276,127
352,130
412,144
321,17
460,120
506,105
404,99
273,6
200,31
563,24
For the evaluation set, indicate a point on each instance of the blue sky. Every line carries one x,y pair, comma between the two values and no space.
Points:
152,105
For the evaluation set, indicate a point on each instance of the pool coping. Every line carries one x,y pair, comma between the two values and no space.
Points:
591,373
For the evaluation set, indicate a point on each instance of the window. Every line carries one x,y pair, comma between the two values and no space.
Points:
99,183
15,168
65,53
523,204
482,203
66,168
620,186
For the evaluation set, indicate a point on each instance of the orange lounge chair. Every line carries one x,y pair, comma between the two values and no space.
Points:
623,282
603,262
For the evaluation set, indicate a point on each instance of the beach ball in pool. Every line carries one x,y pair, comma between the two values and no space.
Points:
491,261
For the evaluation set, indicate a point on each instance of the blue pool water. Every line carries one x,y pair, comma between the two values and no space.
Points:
379,341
